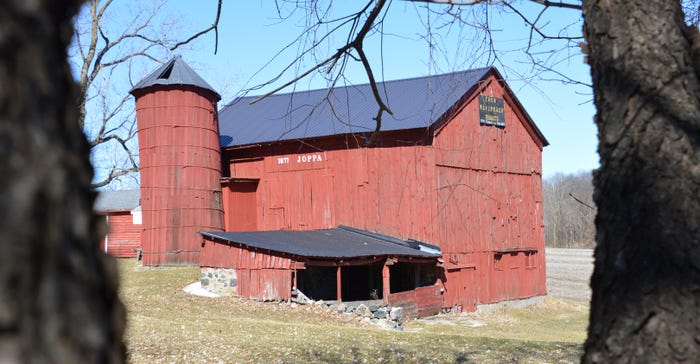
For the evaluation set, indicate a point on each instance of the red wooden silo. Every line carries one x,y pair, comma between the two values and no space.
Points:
180,163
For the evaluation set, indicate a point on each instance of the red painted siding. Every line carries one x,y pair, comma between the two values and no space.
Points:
180,171
420,302
261,275
123,237
218,255
473,190
243,195
265,284
489,193
460,287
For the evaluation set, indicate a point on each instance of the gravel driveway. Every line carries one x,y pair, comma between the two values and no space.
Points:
569,272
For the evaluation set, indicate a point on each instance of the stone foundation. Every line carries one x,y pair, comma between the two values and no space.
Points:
221,281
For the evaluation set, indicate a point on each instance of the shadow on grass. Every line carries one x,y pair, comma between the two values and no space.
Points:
528,353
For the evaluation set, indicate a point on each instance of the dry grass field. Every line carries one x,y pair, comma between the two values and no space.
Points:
569,272
167,325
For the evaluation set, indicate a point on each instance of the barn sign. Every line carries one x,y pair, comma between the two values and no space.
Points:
491,111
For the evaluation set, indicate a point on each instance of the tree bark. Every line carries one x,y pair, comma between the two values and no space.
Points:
58,292
646,282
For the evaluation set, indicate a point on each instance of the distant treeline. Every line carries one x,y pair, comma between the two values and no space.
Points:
569,211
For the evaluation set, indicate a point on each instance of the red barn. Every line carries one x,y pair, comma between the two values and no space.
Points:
444,209
122,212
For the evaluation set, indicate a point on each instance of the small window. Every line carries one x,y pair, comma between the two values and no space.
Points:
530,259
498,261
514,261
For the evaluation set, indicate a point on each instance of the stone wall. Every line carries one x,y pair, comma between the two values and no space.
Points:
221,281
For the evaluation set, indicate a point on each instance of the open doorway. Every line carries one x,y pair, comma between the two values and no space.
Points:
409,276
362,282
318,283
358,282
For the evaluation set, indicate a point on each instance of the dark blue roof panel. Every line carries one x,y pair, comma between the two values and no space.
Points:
174,72
341,242
415,103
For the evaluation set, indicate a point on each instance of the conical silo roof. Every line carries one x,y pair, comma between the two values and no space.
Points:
175,72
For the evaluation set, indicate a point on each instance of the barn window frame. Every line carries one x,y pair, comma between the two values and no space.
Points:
530,259
515,263
498,261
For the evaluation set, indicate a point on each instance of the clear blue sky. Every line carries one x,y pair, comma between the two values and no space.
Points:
250,35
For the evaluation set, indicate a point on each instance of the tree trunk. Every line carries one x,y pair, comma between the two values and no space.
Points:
58,300
646,282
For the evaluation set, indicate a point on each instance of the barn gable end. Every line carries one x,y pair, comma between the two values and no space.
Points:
489,199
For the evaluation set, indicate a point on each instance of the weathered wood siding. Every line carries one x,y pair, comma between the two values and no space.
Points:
261,275
123,236
489,197
180,171
420,302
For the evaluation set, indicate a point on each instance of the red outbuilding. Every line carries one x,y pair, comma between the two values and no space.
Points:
444,210
122,213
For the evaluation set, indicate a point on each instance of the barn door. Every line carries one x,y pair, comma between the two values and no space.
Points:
242,212
462,288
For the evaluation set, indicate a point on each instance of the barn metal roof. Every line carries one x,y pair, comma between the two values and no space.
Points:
415,103
125,200
174,72
341,242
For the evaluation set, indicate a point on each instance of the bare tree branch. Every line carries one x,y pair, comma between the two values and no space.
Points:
451,2
368,21
546,3
214,27
558,4
358,32
581,202
109,45
114,173
105,44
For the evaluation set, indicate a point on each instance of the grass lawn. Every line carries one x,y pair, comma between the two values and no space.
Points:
166,325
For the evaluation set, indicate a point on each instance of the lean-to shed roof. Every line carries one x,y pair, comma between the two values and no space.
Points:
341,242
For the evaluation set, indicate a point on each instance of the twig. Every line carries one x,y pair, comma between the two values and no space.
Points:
214,27
581,202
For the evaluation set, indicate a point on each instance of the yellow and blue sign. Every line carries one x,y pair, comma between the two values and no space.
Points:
491,111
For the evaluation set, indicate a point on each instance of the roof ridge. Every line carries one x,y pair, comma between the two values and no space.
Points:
285,94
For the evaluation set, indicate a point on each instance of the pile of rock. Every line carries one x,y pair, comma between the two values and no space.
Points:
381,315
378,314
